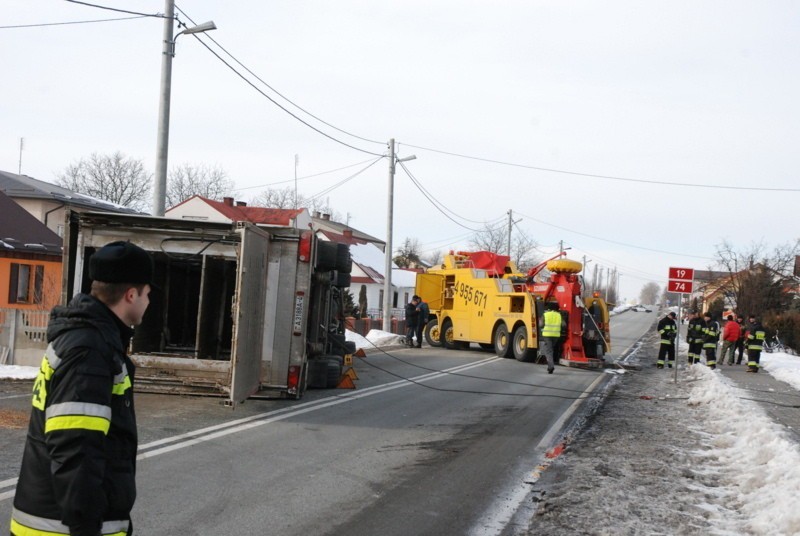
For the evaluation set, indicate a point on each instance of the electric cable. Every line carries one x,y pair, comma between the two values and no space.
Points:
607,177
43,24
156,15
304,177
343,181
278,92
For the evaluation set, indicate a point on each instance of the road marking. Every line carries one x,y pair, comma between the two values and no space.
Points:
231,427
503,509
14,396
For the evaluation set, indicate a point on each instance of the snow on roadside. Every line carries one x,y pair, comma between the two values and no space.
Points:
754,462
784,367
17,372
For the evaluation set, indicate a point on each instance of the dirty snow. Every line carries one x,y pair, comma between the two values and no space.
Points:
16,372
666,458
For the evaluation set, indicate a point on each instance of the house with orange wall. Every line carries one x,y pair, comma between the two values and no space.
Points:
30,260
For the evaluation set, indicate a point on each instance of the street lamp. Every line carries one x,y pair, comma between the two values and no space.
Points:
387,275
168,51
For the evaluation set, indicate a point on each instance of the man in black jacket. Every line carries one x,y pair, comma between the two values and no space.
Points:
78,468
668,331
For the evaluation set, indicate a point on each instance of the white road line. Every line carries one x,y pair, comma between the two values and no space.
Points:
500,513
213,432
14,396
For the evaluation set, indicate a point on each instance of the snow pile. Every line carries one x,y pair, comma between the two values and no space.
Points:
753,464
16,372
784,367
374,339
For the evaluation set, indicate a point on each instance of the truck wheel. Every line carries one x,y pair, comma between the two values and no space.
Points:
502,342
334,371
446,335
327,253
344,263
343,280
520,343
317,373
432,334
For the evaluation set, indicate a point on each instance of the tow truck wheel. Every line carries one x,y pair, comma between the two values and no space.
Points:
446,335
432,333
520,343
502,342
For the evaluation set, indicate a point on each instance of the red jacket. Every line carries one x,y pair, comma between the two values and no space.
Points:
731,331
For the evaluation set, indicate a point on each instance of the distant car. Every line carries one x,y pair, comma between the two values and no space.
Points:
640,309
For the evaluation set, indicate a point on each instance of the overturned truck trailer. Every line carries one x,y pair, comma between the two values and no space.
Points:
238,311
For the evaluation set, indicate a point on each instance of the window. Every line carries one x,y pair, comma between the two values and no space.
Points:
22,287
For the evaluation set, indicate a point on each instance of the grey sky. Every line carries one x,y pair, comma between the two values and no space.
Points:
692,92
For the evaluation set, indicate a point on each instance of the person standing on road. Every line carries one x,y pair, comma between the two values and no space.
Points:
710,340
551,334
740,341
78,467
694,336
668,329
730,334
423,312
755,342
411,321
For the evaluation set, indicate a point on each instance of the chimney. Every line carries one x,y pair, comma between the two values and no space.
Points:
241,203
317,214
348,233
228,201
326,217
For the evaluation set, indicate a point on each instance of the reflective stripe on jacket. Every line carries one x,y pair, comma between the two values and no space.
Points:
755,337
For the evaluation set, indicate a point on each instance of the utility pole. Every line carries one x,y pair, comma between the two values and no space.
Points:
387,272
160,183
21,146
561,246
510,223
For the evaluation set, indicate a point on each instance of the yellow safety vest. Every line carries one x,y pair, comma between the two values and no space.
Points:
552,324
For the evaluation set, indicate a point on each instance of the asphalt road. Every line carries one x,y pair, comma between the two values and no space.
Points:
446,453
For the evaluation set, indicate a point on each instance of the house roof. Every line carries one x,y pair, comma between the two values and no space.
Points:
22,186
267,216
328,225
20,232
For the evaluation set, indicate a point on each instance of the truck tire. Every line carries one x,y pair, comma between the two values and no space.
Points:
317,373
520,344
327,254
344,263
334,371
337,341
343,280
446,335
502,342
432,335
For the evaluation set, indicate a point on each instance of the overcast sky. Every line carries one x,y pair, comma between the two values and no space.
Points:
696,92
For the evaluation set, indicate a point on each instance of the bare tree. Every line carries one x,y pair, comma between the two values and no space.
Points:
408,254
186,180
649,293
285,198
757,279
115,178
434,257
495,239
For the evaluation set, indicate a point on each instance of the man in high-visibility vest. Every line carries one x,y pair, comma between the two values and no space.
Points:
710,340
694,336
551,334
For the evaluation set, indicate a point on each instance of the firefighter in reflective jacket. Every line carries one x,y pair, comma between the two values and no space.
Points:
755,342
551,335
710,340
78,467
694,336
668,330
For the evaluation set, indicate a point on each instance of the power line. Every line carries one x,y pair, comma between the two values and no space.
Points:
273,101
157,15
278,92
43,24
614,241
301,178
343,181
607,177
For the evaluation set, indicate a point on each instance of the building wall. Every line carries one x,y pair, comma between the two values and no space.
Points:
40,209
51,284
195,209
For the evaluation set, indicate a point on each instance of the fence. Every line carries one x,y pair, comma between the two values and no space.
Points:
23,336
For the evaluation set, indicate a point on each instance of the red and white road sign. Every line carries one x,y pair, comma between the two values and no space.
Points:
682,274
681,280
682,287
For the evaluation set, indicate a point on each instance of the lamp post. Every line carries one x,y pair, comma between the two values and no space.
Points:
387,275
168,51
